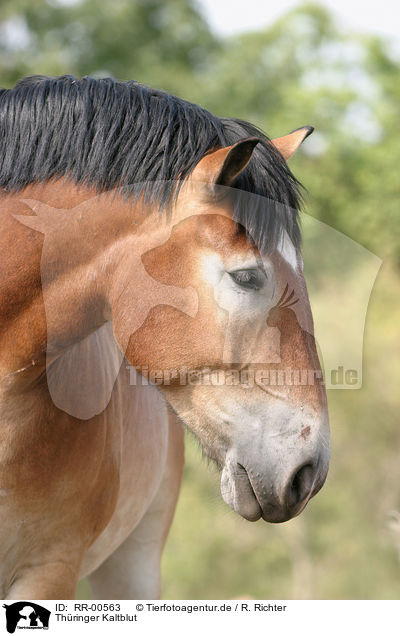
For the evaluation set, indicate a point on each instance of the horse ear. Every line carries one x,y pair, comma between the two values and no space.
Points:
288,144
223,166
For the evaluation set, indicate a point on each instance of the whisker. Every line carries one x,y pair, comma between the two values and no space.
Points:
283,295
288,298
291,304
280,396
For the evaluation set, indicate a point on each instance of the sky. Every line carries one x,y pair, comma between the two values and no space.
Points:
233,16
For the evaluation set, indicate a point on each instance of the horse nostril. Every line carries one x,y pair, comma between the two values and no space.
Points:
300,486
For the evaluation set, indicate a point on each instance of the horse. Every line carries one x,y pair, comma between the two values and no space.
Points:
151,280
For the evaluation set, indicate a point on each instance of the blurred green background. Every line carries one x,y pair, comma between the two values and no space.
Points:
302,69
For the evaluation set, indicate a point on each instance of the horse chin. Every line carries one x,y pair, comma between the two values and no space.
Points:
238,493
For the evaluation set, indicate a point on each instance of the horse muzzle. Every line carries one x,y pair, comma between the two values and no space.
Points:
273,489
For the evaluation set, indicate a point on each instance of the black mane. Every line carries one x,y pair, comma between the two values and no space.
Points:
107,134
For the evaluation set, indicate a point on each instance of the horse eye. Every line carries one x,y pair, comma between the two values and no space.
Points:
248,278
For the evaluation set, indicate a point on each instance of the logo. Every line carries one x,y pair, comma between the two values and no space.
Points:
26,615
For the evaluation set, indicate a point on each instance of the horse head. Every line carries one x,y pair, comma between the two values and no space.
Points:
253,319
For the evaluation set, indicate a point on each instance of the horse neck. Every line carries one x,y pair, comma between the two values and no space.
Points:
59,248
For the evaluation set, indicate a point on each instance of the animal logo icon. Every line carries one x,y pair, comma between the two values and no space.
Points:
26,615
